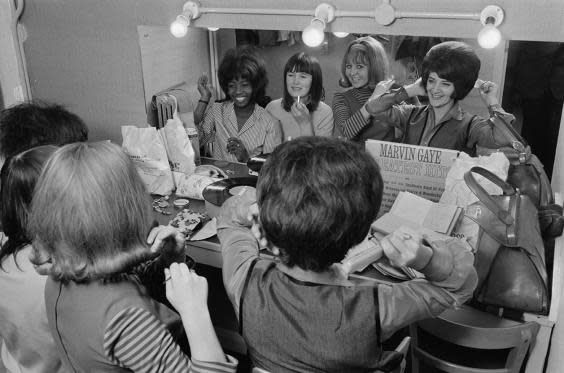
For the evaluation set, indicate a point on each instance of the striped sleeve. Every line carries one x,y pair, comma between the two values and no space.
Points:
273,136
349,124
137,340
206,128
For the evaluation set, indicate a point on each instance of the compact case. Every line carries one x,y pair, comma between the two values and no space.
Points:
217,193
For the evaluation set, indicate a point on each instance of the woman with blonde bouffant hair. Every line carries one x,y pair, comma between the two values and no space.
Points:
90,222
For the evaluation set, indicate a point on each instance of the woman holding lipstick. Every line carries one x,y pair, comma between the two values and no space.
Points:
301,111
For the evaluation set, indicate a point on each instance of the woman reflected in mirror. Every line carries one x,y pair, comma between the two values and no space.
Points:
449,72
364,65
301,111
238,127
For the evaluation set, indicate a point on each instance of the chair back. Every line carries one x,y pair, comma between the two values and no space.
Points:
466,332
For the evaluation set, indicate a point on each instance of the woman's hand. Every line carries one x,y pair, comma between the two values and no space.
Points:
301,114
185,290
416,88
488,92
235,146
203,88
372,105
166,240
404,247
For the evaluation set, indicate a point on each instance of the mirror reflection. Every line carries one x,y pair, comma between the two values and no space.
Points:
533,95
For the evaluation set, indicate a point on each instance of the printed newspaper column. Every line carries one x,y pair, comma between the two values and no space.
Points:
421,170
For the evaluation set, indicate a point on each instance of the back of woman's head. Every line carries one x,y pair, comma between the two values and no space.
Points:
304,63
18,177
90,213
317,198
244,63
370,52
454,61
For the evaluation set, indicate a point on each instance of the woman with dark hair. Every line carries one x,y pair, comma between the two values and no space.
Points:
301,111
90,222
449,72
28,345
238,127
316,198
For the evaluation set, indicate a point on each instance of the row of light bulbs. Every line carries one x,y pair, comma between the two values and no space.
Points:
385,14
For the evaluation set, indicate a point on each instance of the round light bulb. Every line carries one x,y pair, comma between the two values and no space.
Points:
213,28
313,34
340,34
489,37
179,28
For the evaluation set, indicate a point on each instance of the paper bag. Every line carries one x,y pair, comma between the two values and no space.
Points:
457,192
179,149
146,149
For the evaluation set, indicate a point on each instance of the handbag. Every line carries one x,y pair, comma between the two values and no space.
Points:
526,173
509,256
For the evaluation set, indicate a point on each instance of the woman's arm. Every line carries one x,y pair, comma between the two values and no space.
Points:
136,329
486,132
323,125
450,280
347,123
203,102
188,293
273,136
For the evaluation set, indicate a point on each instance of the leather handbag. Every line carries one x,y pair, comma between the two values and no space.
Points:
526,173
509,256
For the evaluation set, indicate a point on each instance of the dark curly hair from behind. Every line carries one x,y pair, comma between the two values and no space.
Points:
30,124
454,61
317,198
245,63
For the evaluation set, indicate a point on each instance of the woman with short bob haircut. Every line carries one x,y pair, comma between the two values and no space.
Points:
28,345
316,198
90,220
301,111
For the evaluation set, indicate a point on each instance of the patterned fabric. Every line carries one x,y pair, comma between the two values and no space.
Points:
322,120
350,121
260,134
135,339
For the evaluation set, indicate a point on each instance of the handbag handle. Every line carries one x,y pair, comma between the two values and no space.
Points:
517,141
484,196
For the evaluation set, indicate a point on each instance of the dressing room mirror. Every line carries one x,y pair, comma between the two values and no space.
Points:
530,74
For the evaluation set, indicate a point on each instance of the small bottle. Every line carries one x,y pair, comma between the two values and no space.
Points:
193,136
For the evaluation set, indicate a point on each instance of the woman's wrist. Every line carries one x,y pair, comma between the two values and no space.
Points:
365,113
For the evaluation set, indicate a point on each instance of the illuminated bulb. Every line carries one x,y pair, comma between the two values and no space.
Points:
489,37
313,34
340,34
213,28
179,28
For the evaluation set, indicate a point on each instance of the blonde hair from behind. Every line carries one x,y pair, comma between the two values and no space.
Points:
90,213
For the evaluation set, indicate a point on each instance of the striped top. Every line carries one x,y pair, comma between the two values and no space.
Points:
261,133
348,118
136,339
116,327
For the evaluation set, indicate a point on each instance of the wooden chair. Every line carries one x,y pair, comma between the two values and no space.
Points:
403,347
465,340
